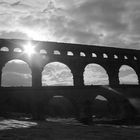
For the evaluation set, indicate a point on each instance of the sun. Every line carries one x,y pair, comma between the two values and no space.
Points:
29,49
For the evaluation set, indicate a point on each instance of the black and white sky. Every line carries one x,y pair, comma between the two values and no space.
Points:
103,22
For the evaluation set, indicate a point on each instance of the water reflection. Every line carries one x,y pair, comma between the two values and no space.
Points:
10,124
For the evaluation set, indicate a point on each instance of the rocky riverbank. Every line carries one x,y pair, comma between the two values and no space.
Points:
65,129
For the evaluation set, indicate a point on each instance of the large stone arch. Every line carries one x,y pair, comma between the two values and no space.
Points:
128,75
112,105
118,105
60,106
125,108
95,74
101,107
16,72
58,72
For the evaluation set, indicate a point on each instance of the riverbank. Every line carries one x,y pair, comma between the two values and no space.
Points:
65,129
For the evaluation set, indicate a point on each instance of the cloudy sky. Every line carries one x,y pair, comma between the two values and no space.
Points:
103,22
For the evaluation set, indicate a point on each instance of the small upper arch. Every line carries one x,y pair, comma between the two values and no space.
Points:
56,52
82,54
4,49
42,51
135,58
94,55
105,55
70,53
125,57
17,50
116,56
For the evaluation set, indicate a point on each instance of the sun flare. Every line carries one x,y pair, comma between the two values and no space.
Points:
29,49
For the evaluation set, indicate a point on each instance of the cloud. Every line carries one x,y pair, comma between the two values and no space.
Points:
128,74
95,75
96,18
57,74
16,79
17,66
129,79
110,22
13,34
125,68
16,73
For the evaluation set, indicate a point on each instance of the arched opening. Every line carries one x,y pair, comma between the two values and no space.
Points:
56,52
70,53
100,97
94,55
100,107
82,54
127,75
105,55
60,107
57,74
16,73
95,74
43,51
105,107
4,49
115,56
125,57
135,58
17,50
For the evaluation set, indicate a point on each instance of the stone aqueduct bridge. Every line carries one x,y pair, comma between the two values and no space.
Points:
76,57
